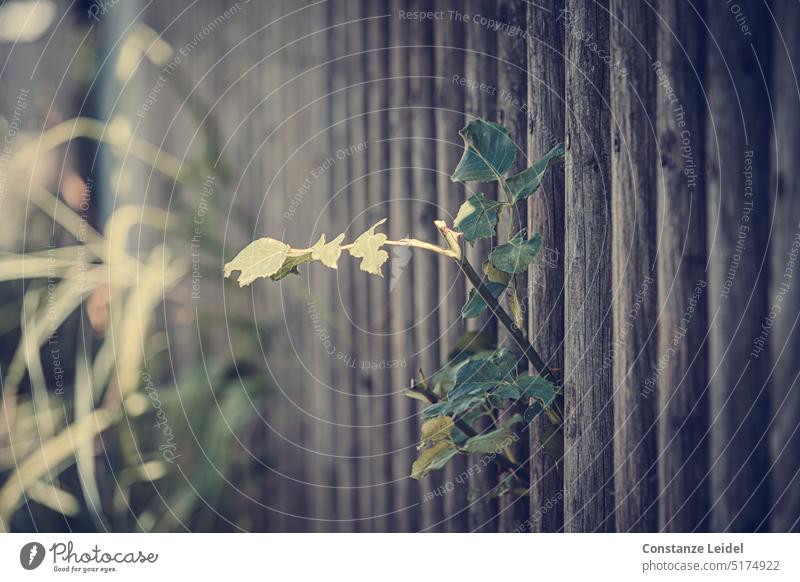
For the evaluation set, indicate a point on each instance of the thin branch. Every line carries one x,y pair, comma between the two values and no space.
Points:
502,315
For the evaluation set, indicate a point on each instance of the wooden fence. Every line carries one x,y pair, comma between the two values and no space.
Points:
665,293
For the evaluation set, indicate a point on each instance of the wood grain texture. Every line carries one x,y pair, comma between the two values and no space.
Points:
680,388
737,171
588,385
379,287
512,98
356,43
481,67
784,295
346,494
449,119
405,432
424,212
546,216
635,294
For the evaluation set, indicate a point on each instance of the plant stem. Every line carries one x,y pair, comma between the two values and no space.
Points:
505,319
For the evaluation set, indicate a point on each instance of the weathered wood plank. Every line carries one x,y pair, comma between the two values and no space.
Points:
737,170
546,216
512,102
346,434
449,119
379,287
359,289
404,429
424,212
635,295
481,68
784,294
588,385
682,295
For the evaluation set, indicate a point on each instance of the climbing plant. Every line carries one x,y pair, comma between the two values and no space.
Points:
474,383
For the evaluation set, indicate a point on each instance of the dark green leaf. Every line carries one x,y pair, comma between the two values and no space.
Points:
477,217
516,254
538,388
528,181
488,154
476,377
289,266
475,304
505,361
491,442
506,392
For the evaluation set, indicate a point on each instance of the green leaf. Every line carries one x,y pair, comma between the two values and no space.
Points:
433,458
436,429
488,154
516,254
476,377
328,253
506,392
261,258
537,388
289,266
477,217
515,307
528,181
493,274
506,362
491,442
368,248
475,304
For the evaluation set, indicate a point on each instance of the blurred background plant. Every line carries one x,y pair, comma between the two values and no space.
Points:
101,429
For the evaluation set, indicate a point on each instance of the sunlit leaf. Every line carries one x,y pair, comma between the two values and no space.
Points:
436,429
528,181
515,307
433,458
517,253
261,258
488,153
328,253
368,248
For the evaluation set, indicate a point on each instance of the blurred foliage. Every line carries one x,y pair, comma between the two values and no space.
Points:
102,426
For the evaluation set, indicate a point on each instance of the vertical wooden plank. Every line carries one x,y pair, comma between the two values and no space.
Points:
481,68
378,182
737,165
634,287
404,428
512,104
321,281
346,493
423,193
546,216
682,294
784,294
588,386
359,284
277,194
449,113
